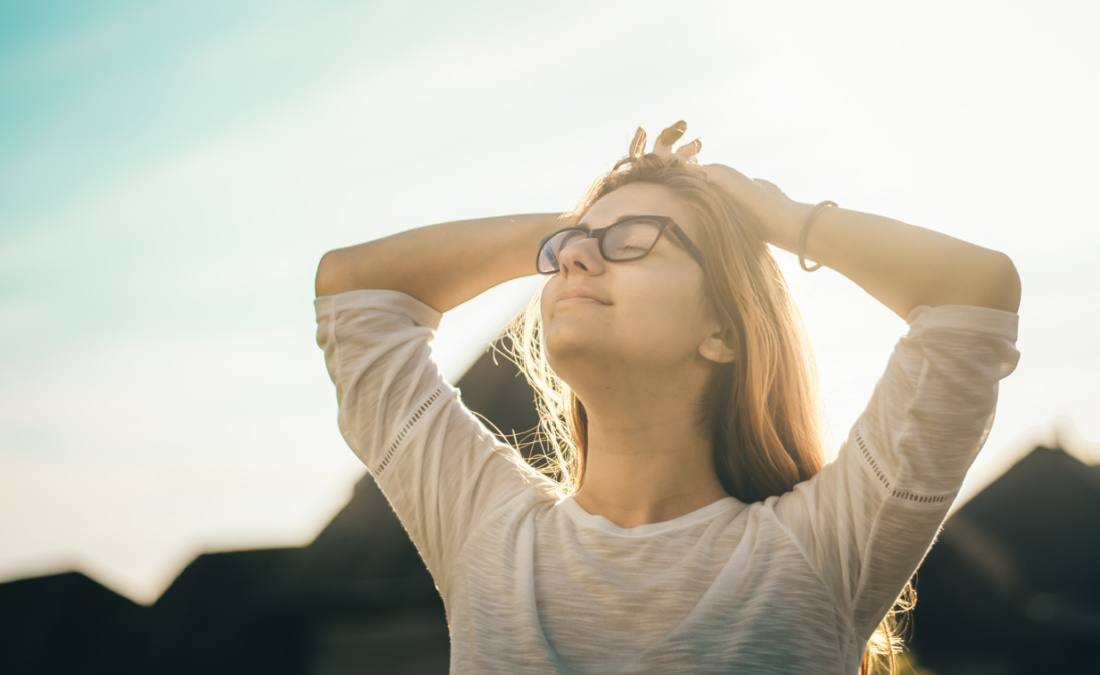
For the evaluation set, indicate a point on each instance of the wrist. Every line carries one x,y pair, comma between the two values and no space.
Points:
804,233
786,227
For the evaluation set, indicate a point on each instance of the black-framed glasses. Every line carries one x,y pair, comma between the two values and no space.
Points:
631,238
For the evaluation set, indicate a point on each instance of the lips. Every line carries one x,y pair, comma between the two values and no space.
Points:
580,293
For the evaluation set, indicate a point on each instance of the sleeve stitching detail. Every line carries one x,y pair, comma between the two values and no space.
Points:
897,493
870,459
413,419
911,496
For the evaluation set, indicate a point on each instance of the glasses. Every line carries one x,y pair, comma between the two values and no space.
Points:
629,239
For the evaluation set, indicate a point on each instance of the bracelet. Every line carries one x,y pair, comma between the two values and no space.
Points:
817,209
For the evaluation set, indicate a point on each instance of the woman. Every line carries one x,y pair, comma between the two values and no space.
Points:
687,523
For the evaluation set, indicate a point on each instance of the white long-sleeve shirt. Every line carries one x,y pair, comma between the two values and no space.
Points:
534,584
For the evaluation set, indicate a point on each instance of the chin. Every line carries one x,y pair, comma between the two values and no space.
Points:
566,350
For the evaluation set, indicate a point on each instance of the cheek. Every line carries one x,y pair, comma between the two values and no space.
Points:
677,318
674,317
549,290
677,296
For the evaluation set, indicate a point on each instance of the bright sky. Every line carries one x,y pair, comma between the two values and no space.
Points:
170,174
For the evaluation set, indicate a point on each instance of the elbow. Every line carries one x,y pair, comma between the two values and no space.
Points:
1005,288
987,279
328,274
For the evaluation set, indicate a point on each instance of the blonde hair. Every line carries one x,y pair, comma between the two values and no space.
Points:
763,408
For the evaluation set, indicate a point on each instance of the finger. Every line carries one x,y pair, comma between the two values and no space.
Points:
669,136
637,146
689,150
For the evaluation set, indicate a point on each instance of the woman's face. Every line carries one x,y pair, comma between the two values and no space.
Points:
650,313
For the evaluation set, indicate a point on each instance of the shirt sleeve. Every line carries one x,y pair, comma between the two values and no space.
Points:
440,468
867,519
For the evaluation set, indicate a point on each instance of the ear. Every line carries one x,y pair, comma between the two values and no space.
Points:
719,346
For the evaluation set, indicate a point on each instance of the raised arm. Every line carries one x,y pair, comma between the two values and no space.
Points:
901,265
440,265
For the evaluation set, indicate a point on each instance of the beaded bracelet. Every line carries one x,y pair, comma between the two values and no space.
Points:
817,209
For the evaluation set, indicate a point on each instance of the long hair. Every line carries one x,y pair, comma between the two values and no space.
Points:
763,408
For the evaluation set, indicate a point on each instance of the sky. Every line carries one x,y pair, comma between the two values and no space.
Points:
170,174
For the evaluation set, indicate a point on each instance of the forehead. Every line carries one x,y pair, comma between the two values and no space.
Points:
637,199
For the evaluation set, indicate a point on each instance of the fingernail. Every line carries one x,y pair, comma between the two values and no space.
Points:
670,135
637,146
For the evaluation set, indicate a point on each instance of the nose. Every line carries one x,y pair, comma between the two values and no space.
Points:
581,255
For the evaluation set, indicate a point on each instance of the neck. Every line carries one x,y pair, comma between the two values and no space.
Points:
649,459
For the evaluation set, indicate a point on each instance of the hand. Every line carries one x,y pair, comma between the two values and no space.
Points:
663,145
775,216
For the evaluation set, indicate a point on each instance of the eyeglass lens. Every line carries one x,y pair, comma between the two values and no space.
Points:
623,241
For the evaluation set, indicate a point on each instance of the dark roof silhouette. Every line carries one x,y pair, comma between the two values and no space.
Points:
68,623
1013,584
